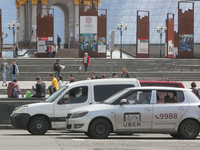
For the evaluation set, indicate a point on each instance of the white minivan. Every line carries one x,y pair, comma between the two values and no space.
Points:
37,118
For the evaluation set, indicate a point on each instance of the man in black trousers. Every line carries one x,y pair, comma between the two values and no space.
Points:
58,41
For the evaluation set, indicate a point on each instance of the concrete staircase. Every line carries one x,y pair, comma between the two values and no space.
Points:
172,69
68,53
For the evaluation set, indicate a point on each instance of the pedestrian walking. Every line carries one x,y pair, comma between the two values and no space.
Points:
125,73
86,61
71,77
40,88
54,50
16,50
195,90
13,70
13,89
60,82
57,67
58,41
4,70
48,48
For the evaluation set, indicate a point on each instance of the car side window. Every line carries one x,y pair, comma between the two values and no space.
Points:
165,96
139,97
75,95
102,92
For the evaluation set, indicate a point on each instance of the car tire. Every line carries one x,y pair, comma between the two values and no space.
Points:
189,129
100,129
38,126
88,134
176,135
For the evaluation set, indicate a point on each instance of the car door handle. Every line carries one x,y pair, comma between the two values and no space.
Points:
147,109
181,108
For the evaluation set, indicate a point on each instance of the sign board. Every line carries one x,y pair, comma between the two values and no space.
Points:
42,42
170,47
143,45
88,24
186,42
111,40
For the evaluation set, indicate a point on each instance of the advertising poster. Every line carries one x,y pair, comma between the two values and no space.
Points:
88,33
42,42
88,41
101,45
186,42
88,24
170,47
143,45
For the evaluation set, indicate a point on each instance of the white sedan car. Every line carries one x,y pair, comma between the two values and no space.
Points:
140,110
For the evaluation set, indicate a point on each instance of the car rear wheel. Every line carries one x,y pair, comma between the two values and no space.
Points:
189,129
100,129
38,126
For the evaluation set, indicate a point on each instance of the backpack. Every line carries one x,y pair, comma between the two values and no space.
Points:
28,94
15,92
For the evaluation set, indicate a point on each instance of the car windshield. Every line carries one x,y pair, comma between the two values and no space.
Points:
56,94
114,97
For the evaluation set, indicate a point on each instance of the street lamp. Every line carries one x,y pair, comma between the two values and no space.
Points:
11,26
120,28
160,30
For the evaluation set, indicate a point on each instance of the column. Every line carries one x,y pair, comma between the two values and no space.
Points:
76,23
18,21
22,23
86,5
44,7
34,21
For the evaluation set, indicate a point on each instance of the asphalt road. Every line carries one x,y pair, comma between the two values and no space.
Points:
61,140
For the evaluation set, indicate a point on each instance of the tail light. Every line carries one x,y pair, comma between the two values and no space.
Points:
199,106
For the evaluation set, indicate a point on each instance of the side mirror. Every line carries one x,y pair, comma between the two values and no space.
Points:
123,101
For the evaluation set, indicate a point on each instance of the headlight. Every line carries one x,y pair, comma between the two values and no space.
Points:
79,114
21,109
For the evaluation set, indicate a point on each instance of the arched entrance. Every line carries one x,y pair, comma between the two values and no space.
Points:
68,20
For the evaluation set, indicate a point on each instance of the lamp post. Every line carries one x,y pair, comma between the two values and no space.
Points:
120,28
12,27
160,30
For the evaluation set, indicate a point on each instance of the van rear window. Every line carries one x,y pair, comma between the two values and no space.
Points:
102,92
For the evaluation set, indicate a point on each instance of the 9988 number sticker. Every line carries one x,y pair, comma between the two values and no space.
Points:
167,116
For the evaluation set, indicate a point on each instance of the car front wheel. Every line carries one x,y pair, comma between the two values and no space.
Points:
38,126
100,129
189,129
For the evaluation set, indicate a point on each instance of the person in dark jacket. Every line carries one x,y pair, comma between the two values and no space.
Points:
13,70
11,87
57,68
71,77
40,88
58,41
125,73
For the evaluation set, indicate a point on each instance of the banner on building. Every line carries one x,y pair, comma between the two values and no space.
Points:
186,42
101,45
88,33
170,47
143,45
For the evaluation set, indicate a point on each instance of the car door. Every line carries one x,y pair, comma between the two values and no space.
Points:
135,115
73,98
169,108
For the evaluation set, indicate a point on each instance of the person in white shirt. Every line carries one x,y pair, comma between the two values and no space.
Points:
60,82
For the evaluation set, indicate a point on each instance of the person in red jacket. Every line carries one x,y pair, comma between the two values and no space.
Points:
86,61
11,87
